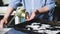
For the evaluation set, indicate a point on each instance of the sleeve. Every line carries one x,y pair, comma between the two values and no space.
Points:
50,4
14,3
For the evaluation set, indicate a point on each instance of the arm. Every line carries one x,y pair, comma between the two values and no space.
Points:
50,4
13,5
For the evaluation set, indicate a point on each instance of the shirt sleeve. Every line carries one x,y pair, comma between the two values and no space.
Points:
50,4
14,3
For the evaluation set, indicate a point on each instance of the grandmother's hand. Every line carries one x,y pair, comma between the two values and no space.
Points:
2,22
32,15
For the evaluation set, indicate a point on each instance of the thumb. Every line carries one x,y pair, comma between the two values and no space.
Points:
2,21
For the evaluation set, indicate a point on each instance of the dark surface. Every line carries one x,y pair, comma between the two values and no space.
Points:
57,12
22,26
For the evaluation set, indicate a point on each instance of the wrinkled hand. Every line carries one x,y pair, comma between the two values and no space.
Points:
32,16
3,21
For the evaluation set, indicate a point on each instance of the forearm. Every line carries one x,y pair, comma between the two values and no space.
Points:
8,12
50,4
42,10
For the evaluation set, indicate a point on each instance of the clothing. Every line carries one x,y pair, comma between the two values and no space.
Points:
13,31
31,5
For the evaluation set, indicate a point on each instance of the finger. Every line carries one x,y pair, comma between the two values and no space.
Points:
28,20
2,21
6,22
1,24
25,19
